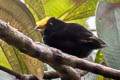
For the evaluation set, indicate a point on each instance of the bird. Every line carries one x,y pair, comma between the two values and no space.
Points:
70,38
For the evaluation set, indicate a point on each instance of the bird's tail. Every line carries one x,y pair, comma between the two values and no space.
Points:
96,43
101,44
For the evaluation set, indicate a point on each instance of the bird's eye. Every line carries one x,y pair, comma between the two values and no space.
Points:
51,21
51,24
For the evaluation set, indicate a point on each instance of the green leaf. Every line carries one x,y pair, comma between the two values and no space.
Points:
79,21
64,9
17,15
3,60
108,27
13,58
99,57
50,7
68,10
100,77
36,67
83,9
57,8
36,8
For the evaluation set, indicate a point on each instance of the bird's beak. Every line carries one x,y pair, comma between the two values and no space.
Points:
41,24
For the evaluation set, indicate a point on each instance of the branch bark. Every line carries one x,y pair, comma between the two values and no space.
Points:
51,75
47,74
18,75
54,74
54,57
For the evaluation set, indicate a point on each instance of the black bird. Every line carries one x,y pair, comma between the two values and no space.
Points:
70,38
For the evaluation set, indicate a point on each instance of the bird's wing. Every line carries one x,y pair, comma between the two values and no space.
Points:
75,32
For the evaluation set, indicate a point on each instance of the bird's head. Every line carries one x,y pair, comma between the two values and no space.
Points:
41,24
49,23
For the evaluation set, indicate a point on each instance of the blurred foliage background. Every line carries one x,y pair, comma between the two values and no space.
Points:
23,15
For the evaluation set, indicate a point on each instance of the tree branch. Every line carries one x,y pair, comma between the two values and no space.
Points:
54,57
18,75
51,75
54,74
47,74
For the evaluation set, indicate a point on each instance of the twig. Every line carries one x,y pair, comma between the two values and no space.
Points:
50,55
18,75
51,75
54,74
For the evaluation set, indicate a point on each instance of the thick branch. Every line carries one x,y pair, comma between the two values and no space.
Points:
50,55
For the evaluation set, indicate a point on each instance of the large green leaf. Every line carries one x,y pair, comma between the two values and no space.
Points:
83,9
108,28
50,7
64,9
14,58
57,8
17,15
36,8
36,67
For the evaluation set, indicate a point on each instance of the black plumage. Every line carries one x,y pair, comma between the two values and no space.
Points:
71,38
